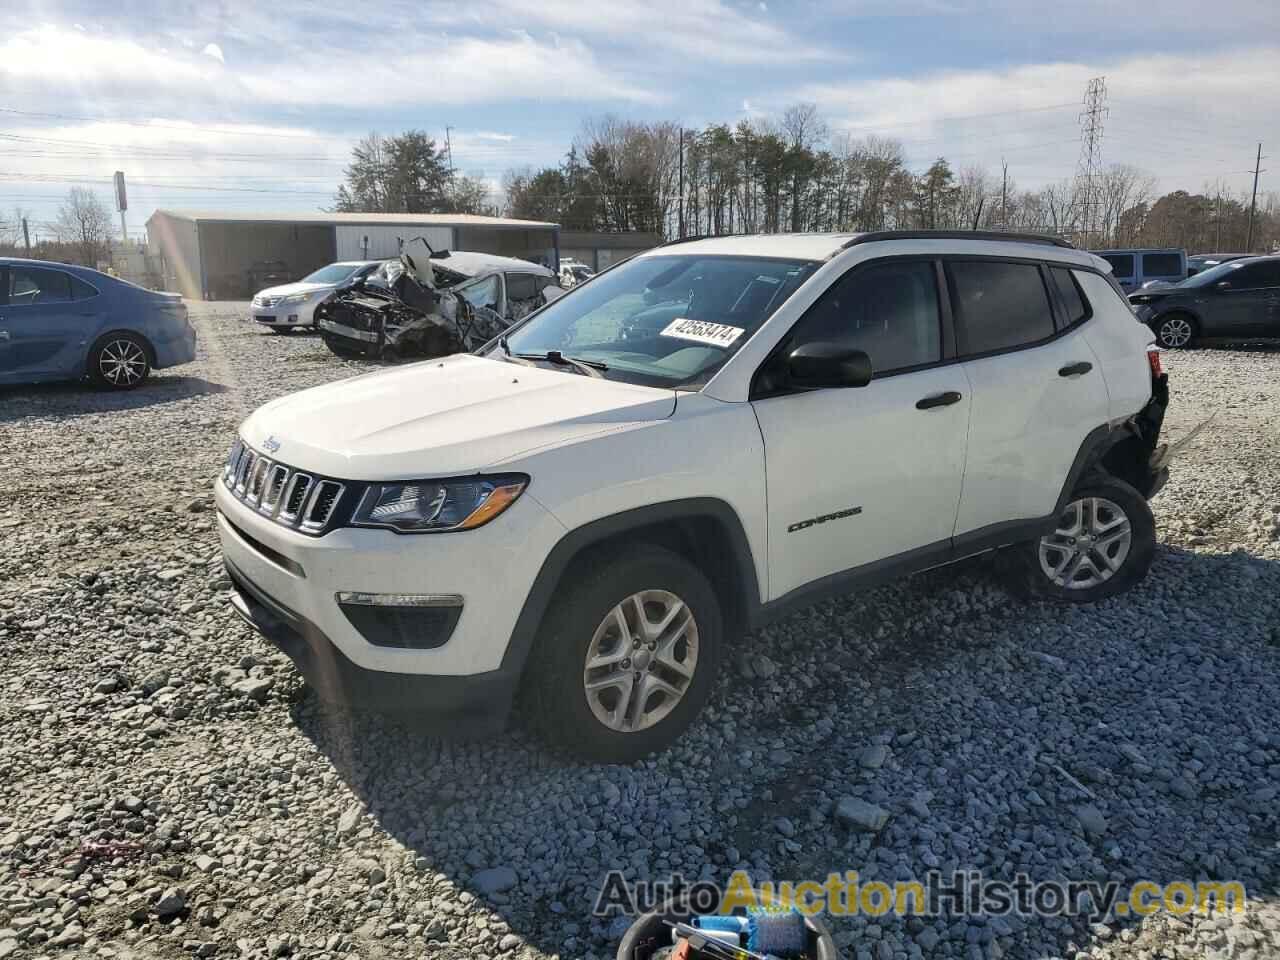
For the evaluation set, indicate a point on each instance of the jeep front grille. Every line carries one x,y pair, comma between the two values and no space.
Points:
291,498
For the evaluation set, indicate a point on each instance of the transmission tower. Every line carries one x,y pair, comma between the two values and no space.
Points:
1090,166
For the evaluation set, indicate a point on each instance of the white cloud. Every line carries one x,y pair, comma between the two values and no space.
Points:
1186,118
466,70
682,33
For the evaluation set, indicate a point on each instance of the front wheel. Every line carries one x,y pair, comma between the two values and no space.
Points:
1175,330
119,361
627,656
1103,544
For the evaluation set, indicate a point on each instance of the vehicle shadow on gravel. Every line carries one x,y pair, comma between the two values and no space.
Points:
1135,739
79,399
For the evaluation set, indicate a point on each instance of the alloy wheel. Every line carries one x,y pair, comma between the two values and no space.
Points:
1175,331
123,363
1090,545
641,660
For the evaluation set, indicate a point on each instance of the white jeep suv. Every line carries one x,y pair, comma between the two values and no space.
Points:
592,509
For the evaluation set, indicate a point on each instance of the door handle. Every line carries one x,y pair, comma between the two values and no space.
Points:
1075,369
938,400
4,334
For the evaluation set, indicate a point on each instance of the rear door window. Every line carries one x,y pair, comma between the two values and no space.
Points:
1075,306
1256,276
81,290
998,305
1161,265
1121,265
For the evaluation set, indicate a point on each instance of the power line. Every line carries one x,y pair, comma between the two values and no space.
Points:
153,124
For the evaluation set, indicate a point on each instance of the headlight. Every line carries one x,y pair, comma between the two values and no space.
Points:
438,506
296,298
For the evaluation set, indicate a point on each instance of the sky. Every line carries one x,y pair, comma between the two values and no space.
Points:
226,105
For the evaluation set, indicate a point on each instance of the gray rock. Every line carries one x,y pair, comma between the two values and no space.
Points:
860,815
171,903
509,942
1091,820
873,756
494,880
255,688
349,820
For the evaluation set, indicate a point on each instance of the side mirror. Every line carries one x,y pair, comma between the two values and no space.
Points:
827,364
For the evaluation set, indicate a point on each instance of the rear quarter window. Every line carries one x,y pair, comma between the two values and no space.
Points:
1161,265
1121,265
1075,307
998,305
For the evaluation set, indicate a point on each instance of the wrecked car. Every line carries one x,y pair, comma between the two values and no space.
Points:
432,303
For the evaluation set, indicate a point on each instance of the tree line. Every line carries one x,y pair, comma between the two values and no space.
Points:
794,174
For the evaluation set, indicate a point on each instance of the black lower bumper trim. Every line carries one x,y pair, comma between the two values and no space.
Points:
473,704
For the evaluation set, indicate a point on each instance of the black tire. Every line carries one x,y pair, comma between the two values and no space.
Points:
119,361
1176,330
555,694
1102,550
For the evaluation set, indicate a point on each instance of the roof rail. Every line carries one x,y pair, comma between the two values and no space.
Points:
692,237
876,235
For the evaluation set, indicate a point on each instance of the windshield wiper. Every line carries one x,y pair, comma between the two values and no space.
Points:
591,368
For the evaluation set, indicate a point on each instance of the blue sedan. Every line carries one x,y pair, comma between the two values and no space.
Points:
62,322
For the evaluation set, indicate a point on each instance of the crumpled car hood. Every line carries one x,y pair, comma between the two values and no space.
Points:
444,417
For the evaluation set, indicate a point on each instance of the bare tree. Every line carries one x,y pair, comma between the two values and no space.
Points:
84,222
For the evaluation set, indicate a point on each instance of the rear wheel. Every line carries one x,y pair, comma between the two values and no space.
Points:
119,361
627,655
1103,544
1176,330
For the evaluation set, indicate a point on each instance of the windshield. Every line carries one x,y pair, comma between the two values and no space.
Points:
333,273
1211,276
668,321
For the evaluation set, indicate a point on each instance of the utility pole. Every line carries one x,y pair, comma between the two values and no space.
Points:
680,204
1004,195
1217,220
1090,163
1253,204
26,236
448,149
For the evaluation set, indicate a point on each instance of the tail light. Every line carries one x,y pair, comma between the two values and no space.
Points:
1153,358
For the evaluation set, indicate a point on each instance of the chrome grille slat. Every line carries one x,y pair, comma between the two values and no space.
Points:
295,499
320,505
287,496
276,480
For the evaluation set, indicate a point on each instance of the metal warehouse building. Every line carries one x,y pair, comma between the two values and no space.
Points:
221,256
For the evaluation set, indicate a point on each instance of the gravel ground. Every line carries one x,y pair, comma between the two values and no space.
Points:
1139,738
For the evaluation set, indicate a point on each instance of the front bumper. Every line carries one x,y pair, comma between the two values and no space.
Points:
475,705
331,328
492,569
286,314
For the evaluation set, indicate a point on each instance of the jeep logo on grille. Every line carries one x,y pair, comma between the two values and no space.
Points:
271,445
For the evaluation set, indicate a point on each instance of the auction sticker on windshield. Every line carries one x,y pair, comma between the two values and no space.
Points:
700,331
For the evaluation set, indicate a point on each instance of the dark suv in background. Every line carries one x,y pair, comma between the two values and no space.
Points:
1238,299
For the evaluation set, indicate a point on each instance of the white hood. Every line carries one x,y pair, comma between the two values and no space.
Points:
444,417
288,289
